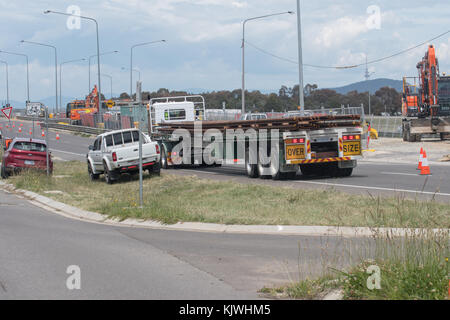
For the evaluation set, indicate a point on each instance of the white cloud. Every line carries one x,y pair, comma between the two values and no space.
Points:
340,31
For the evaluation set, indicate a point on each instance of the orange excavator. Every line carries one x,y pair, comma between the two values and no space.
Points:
77,107
426,101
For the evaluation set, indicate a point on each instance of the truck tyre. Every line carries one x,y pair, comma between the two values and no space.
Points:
93,176
108,175
252,169
308,169
275,169
344,172
289,175
164,163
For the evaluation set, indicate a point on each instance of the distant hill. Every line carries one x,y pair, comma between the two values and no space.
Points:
371,85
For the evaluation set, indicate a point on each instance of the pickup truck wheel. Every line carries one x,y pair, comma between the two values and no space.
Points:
155,169
108,176
4,174
93,176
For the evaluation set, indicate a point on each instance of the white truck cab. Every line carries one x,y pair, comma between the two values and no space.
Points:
176,109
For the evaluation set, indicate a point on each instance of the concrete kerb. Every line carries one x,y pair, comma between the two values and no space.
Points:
83,215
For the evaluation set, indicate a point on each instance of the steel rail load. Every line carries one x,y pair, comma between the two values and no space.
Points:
324,144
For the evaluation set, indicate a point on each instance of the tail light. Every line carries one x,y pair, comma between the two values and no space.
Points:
157,148
114,157
351,137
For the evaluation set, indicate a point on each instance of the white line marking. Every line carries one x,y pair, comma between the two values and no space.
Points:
401,174
199,171
374,188
73,153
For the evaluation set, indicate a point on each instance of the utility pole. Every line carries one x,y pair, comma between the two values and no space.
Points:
300,62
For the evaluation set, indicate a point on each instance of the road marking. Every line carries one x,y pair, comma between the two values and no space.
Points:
200,171
401,174
374,188
73,153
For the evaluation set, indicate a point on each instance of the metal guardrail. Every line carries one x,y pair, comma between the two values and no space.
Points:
28,118
73,128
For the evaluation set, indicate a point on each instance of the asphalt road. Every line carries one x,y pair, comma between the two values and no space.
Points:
36,248
370,177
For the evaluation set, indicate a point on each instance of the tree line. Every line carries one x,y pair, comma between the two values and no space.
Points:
385,99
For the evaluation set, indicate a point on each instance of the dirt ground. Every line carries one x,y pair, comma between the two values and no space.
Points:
396,150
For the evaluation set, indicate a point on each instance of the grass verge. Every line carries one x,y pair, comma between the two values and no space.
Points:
414,267
172,198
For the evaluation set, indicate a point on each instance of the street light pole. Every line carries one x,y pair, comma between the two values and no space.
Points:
60,77
90,57
28,76
300,61
243,51
7,82
111,80
56,68
131,62
98,52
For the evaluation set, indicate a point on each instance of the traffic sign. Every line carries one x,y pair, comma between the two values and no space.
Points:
7,112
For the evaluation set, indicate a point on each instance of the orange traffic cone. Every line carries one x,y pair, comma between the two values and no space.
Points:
20,129
31,132
43,133
57,136
419,167
425,168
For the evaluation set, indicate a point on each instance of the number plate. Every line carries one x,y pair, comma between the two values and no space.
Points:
352,148
295,152
29,162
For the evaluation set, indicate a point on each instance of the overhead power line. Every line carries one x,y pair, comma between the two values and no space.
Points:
349,66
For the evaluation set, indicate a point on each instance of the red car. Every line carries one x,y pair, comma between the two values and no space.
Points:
24,153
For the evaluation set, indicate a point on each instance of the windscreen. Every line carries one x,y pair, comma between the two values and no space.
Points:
29,146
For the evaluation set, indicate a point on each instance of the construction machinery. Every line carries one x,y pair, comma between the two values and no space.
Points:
426,101
75,108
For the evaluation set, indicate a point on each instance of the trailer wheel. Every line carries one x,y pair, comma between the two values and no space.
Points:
444,136
164,163
289,175
252,169
308,169
275,169
417,137
344,172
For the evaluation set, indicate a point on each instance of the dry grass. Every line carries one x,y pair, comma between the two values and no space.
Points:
172,198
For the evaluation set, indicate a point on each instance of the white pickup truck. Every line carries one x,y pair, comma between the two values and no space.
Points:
117,152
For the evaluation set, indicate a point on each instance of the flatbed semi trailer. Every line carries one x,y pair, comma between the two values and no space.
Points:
328,145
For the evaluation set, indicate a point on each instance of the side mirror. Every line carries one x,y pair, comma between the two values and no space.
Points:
91,147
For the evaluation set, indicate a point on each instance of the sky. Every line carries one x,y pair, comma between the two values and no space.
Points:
203,48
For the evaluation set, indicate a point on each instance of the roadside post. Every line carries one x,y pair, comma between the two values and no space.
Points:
141,136
46,140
